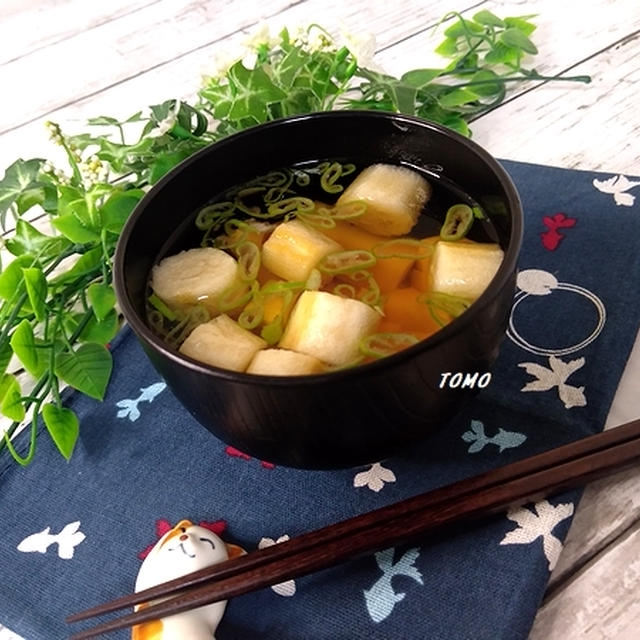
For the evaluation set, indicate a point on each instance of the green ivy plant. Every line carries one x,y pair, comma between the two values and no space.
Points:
57,304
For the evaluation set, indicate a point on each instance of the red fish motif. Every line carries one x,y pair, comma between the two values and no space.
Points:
552,238
235,453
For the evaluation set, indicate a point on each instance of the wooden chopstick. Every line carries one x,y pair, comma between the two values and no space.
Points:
570,465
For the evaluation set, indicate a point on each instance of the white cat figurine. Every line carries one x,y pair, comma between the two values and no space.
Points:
183,549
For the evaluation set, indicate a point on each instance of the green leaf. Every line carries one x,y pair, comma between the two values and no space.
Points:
6,353
289,68
12,278
463,27
448,48
28,239
457,97
164,162
63,427
118,207
500,53
98,331
489,19
102,299
11,404
522,23
24,345
87,369
404,97
36,284
489,86
457,123
88,263
513,37
20,176
71,227
420,77
254,92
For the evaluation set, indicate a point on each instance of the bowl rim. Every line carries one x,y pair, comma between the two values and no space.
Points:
505,271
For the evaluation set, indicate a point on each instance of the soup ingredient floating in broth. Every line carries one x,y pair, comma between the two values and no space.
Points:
394,197
197,276
317,269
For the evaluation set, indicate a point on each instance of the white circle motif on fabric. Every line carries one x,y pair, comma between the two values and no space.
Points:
536,282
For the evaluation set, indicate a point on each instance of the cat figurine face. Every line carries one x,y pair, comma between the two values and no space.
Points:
183,549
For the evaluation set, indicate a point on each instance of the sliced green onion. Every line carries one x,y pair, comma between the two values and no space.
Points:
281,287
295,204
195,316
345,290
317,219
302,178
235,233
443,306
252,314
250,191
457,222
248,261
162,308
213,215
346,261
329,178
403,248
379,345
272,332
236,296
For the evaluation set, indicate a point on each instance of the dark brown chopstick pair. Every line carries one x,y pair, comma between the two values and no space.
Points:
571,465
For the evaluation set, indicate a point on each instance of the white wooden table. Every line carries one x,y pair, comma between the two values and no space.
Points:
68,60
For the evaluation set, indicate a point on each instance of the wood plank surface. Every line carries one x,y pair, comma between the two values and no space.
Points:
68,60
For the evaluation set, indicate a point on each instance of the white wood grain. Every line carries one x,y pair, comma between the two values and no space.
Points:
602,602
27,25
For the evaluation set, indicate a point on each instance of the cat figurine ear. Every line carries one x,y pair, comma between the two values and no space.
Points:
183,549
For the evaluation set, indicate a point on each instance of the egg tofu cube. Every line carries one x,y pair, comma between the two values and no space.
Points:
223,343
294,249
394,196
464,269
328,327
283,362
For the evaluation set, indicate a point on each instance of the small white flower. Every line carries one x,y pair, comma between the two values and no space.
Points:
319,40
361,45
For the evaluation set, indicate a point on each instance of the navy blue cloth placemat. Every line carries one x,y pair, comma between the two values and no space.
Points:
72,534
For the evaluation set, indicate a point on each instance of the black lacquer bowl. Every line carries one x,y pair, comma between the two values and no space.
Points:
356,415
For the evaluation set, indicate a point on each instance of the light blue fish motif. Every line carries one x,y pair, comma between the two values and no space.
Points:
503,439
381,598
129,407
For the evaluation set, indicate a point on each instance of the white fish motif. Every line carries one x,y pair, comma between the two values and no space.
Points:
287,588
503,439
618,187
67,540
381,598
375,478
556,376
129,407
539,523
